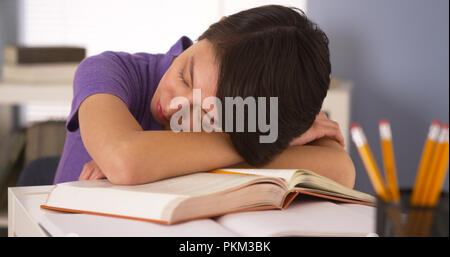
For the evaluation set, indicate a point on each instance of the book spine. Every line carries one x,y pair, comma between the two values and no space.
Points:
33,55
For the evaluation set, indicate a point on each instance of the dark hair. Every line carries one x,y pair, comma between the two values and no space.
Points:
272,51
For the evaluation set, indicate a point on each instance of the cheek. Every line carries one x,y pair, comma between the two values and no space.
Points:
163,89
160,91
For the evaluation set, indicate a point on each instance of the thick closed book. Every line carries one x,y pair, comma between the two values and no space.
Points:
43,54
198,195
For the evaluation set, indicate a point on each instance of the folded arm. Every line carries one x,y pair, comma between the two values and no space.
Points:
127,154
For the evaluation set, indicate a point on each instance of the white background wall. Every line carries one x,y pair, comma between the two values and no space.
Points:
119,25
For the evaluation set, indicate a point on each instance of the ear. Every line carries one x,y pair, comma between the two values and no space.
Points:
223,17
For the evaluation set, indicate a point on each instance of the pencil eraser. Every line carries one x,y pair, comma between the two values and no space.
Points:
435,123
354,125
384,121
445,126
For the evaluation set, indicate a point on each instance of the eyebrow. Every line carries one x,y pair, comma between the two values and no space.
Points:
191,71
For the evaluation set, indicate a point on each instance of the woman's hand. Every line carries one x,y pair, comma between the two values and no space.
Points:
91,172
322,127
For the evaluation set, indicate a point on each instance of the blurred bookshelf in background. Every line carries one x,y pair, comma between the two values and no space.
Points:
37,83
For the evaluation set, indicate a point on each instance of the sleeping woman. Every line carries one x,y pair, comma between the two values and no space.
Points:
121,125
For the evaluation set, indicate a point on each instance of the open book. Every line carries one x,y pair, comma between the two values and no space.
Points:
198,195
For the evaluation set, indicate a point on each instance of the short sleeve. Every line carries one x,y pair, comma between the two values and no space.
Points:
103,73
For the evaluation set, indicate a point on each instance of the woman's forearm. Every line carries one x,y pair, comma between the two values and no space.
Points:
324,156
155,155
127,154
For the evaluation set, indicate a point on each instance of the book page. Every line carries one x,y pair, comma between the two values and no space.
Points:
64,224
196,184
313,182
305,216
285,174
308,181
350,196
365,210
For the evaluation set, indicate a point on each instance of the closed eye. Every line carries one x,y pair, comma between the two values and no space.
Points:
181,77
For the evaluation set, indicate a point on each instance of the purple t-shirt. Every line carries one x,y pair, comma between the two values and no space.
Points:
131,77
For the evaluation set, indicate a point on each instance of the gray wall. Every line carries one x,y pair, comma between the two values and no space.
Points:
397,54
8,35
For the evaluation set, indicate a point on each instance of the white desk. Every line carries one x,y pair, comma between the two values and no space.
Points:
305,216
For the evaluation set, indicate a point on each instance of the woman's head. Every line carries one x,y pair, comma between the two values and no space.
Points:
195,68
269,51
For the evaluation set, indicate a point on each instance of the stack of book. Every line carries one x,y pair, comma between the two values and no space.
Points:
41,65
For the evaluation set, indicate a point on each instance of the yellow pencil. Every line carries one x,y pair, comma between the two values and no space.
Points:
369,162
431,171
390,171
425,161
439,164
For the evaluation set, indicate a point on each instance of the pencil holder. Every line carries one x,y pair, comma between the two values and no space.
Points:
403,220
